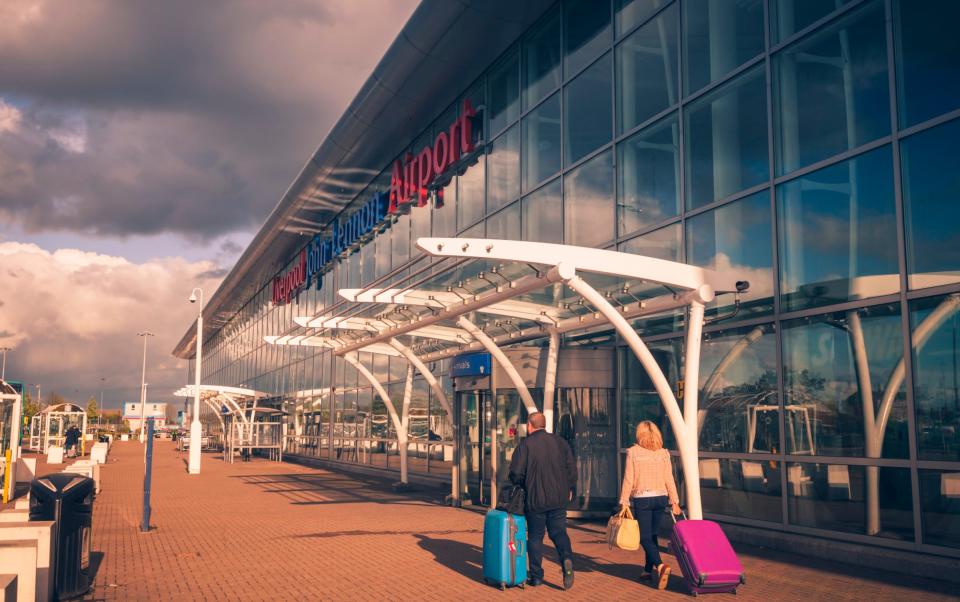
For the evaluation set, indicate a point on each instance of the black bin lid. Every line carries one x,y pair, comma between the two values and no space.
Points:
63,484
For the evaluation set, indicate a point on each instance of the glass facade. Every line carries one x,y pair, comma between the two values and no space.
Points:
807,145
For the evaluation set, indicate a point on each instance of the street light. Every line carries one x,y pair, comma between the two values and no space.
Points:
100,407
193,466
37,385
143,383
3,372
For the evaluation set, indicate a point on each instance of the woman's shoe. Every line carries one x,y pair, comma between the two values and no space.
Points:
663,576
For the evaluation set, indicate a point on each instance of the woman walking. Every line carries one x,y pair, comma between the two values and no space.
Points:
648,486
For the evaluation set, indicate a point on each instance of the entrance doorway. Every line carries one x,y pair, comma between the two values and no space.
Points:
476,421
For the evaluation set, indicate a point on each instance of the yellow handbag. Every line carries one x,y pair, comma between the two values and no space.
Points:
623,531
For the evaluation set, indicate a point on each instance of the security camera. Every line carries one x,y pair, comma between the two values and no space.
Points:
193,297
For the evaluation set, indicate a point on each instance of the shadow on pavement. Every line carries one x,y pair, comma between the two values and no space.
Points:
326,534
462,558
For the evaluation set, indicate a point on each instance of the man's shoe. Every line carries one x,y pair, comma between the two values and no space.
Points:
534,581
663,572
567,574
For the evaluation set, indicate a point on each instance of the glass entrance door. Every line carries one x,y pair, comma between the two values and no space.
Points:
476,420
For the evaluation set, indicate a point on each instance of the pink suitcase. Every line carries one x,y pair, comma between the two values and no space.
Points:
707,560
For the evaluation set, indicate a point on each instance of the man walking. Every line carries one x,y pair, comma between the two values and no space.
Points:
543,465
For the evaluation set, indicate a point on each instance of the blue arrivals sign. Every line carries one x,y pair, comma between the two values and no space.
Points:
471,364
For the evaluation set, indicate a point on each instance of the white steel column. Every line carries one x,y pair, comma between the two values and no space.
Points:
356,363
550,378
403,440
686,444
502,359
691,390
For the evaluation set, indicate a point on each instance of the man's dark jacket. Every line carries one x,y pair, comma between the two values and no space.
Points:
543,465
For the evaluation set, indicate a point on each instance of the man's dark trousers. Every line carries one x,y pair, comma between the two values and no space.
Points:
554,523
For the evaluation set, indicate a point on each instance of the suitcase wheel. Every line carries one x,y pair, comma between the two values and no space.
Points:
694,593
522,586
503,586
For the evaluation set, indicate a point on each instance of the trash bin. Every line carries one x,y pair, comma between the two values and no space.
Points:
67,499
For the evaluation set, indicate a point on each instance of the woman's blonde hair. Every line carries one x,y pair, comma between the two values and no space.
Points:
648,436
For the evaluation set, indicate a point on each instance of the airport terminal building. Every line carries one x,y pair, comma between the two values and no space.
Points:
806,147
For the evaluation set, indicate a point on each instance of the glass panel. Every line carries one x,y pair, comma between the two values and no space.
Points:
741,488
445,209
838,233
940,501
718,37
588,206
739,405
541,60
649,177
854,499
504,106
542,214
647,71
931,199
630,13
842,396
639,399
505,224
936,379
831,91
587,32
541,143
400,239
928,59
727,140
586,114
660,244
736,238
790,16
470,206
503,169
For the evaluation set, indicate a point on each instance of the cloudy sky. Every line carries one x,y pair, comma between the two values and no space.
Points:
141,146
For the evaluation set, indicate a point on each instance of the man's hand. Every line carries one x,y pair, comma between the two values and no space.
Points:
675,507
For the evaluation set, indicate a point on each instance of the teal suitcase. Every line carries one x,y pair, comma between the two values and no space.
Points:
504,549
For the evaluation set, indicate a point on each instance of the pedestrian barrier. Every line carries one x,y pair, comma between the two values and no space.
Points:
26,549
54,454
98,453
8,587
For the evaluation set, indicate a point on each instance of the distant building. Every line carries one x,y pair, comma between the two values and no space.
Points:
157,411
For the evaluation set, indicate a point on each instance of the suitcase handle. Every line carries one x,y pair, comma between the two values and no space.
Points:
674,517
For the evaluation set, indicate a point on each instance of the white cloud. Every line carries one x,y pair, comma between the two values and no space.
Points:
10,117
72,317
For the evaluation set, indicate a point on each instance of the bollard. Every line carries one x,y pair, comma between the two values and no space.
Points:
8,481
145,525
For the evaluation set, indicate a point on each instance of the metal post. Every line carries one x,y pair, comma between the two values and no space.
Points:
196,431
148,473
143,381
3,371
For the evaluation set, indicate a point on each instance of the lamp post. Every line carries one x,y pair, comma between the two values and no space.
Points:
193,466
100,407
37,385
3,371
143,383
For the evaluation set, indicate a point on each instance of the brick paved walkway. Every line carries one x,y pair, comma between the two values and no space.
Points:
268,531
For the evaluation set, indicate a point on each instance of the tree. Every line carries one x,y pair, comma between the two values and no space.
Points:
92,409
30,407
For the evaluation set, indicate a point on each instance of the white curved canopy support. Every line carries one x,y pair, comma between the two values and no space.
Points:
356,363
325,342
403,435
685,434
503,360
550,378
428,375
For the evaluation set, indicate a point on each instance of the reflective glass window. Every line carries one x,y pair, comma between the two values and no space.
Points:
587,32
587,122
928,58
747,488
647,71
831,91
400,238
855,499
543,214
630,13
940,502
505,224
649,177
639,398
504,81
838,233
663,243
931,201
727,140
588,202
790,16
445,210
739,405
470,205
841,393
718,37
736,239
503,169
935,326
541,142
541,60
382,241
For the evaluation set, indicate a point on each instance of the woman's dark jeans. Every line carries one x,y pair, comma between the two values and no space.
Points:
648,511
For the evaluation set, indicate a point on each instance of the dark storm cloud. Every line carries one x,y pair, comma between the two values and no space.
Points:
124,118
